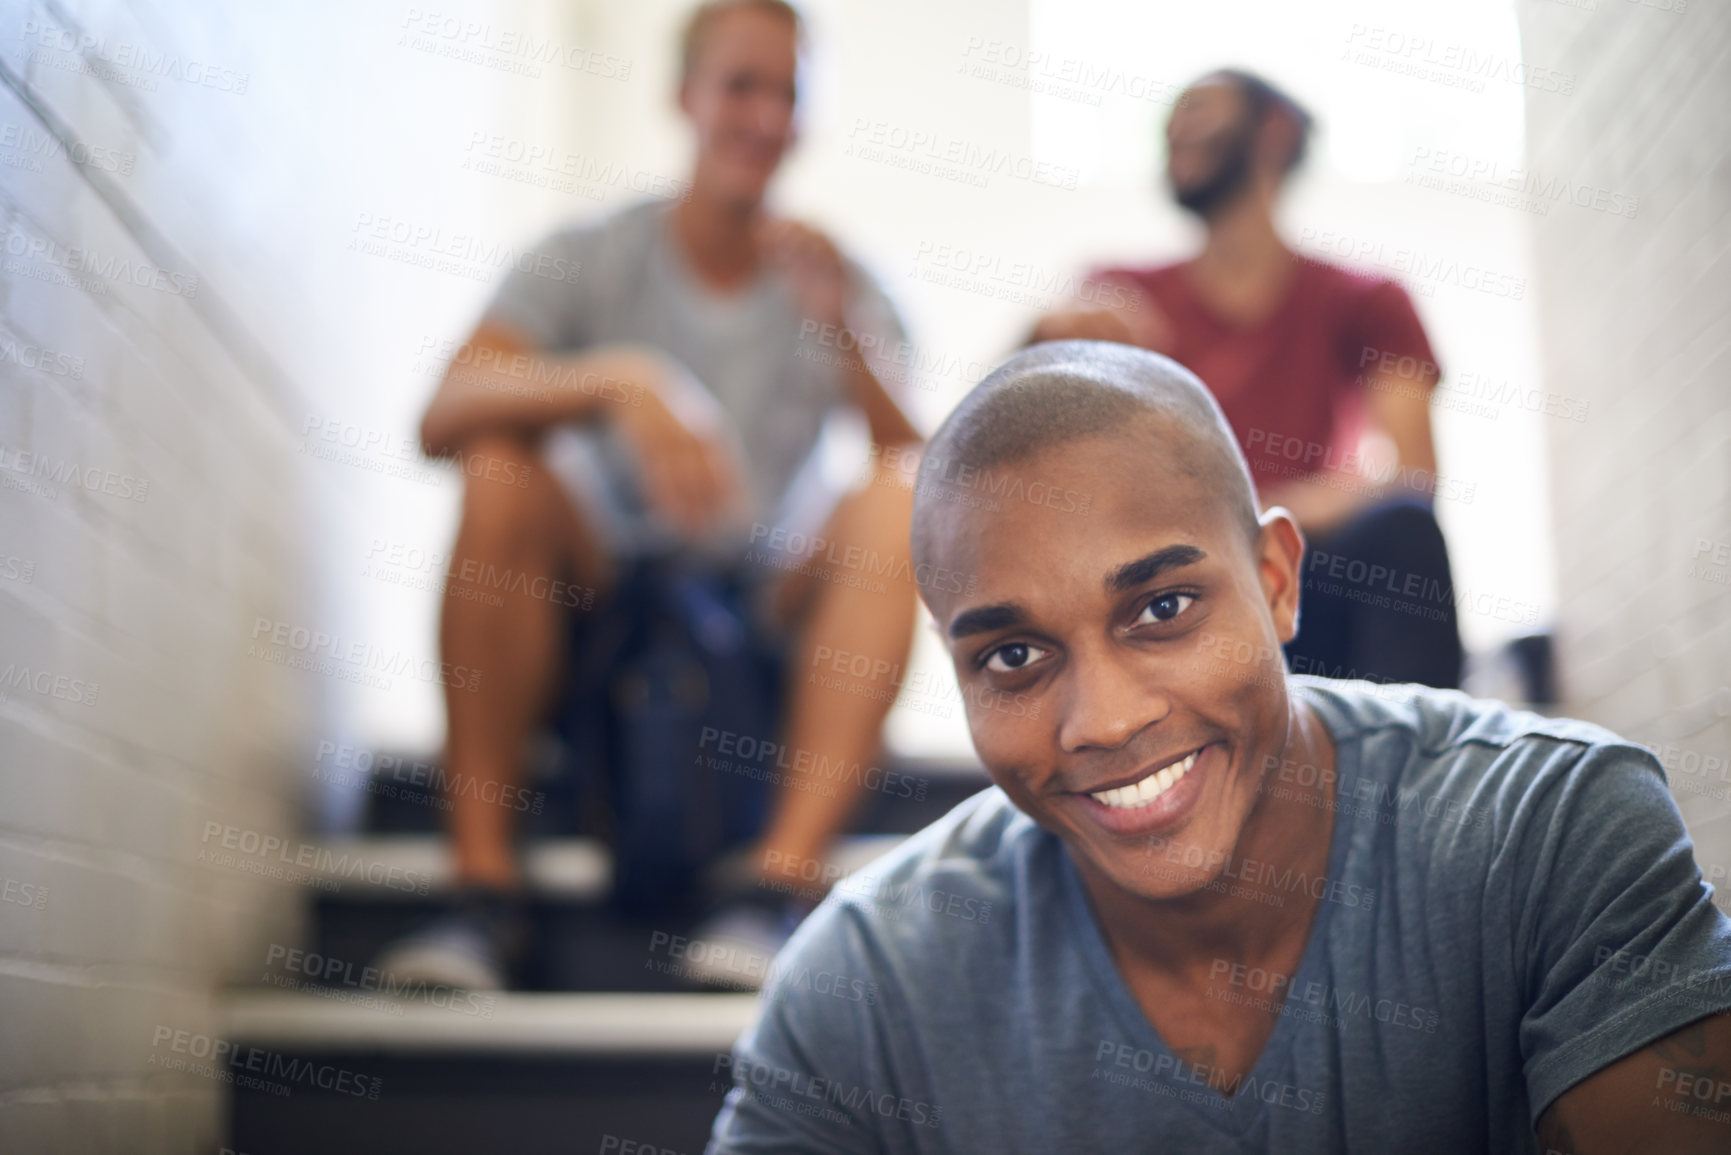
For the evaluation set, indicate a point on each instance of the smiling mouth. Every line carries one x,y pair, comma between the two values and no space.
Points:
1145,790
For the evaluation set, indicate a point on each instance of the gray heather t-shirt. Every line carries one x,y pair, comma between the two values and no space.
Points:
1511,904
776,375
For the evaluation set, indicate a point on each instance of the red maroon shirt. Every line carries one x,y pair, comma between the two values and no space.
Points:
1292,385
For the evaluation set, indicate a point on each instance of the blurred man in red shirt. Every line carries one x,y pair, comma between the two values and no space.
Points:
1325,375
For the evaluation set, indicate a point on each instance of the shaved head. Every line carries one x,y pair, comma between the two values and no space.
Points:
1064,391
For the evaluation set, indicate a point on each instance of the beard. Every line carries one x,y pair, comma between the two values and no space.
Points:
1231,176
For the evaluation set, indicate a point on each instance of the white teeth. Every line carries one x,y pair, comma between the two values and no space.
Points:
1147,789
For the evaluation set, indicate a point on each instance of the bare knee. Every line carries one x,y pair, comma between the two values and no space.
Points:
503,512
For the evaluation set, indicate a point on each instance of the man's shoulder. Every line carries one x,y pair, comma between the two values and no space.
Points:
633,224
1440,739
1438,719
977,848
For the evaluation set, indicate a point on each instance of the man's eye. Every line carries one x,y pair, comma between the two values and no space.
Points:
1165,607
1008,659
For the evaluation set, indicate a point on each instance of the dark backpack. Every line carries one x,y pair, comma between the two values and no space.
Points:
661,672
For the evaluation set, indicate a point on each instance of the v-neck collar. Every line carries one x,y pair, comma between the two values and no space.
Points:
677,264
1234,1116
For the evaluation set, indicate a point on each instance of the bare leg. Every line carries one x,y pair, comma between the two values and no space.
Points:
836,719
508,532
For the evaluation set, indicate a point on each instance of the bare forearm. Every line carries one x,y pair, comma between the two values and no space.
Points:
1667,1099
888,423
518,389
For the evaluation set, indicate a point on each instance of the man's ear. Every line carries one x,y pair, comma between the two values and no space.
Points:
1279,564
1276,140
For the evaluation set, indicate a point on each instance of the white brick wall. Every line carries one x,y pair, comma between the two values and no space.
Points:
235,145
133,604
1634,318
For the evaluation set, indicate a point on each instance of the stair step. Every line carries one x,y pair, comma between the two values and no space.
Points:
507,1022
407,867
541,1074
402,800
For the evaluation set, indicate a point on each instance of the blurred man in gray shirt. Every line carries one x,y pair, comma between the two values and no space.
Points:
660,378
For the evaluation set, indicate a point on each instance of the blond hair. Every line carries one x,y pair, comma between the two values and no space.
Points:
704,16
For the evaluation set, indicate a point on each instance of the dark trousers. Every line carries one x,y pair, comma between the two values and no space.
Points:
1378,601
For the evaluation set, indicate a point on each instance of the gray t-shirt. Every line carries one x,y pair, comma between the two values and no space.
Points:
1511,904
775,374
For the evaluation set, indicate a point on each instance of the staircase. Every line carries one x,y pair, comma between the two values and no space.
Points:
606,1049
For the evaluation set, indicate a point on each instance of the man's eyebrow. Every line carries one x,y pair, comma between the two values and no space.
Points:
982,619
1143,569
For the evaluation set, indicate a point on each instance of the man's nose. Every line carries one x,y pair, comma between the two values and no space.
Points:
1109,701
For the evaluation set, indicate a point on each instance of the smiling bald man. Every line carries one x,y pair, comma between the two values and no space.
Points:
1211,906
